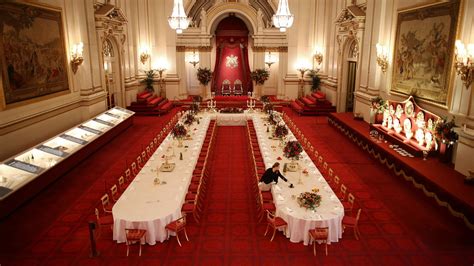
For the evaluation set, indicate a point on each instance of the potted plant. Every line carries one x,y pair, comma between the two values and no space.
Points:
259,75
204,76
378,106
315,80
444,132
148,80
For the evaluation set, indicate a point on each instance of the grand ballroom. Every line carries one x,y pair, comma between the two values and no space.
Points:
237,132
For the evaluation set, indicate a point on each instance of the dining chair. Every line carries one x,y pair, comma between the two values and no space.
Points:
320,234
352,222
274,222
177,226
106,220
106,204
134,236
349,204
114,193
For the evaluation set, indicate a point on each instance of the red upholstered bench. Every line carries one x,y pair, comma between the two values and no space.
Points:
142,96
308,101
319,95
165,108
155,100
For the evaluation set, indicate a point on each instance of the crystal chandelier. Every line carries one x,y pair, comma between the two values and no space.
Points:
283,19
178,20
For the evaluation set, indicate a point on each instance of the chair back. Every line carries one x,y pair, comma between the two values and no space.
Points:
128,175
351,198
330,173
121,182
321,233
270,216
226,86
336,180
114,192
181,222
358,216
238,86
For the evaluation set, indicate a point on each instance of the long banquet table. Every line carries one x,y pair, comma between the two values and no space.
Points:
300,220
144,205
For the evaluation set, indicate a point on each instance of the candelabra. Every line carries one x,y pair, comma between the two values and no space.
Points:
465,62
302,69
211,104
251,104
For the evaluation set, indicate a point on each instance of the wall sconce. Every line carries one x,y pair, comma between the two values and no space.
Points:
144,54
318,55
193,58
382,57
270,59
464,62
76,56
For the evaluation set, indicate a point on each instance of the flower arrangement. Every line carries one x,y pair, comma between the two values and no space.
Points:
189,119
267,107
444,130
204,75
271,118
195,108
309,200
148,80
231,110
379,104
179,131
292,150
260,75
281,131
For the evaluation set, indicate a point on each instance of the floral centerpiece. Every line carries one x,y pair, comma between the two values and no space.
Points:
189,119
231,110
179,132
265,99
309,200
378,106
292,151
273,118
195,108
281,131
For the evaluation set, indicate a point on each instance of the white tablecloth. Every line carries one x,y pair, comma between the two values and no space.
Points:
300,220
232,119
145,205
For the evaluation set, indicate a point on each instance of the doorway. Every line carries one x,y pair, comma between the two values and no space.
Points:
112,75
351,78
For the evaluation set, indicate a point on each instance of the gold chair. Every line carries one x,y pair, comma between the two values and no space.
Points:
352,222
106,204
349,204
176,227
274,222
114,193
134,236
103,221
319,234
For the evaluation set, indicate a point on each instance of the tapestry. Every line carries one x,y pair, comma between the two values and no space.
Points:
32,52
423,51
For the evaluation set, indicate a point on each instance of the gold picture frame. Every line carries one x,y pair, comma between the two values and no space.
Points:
33,54
423,53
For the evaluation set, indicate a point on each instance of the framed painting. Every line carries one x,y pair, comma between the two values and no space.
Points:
33,58
423,52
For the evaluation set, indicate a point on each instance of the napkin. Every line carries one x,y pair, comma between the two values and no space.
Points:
280,198
289,209
277,188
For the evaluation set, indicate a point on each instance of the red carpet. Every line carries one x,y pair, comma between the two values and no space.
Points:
399,226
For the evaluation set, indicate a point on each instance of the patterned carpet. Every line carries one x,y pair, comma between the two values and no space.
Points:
399,226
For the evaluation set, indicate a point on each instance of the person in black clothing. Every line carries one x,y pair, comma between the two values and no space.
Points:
271,175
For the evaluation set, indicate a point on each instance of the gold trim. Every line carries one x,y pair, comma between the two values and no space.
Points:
401,172
450,79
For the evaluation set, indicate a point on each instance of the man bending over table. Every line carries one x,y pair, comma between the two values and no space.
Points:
270,175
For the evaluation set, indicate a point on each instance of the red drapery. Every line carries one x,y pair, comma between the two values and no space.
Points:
231,42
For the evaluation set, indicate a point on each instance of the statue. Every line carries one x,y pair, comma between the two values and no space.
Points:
203,18
259,19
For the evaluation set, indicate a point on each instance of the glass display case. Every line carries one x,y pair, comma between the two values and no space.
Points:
26,166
